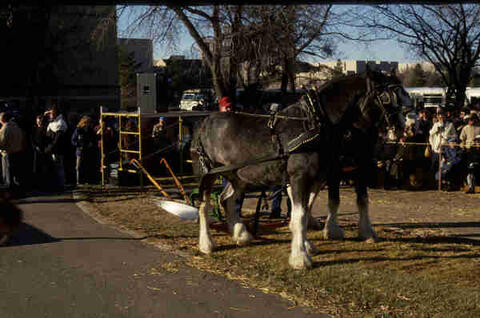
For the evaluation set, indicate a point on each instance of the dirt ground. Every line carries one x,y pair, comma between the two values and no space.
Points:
425,264
453,213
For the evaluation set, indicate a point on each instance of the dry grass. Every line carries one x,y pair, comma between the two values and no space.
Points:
411,272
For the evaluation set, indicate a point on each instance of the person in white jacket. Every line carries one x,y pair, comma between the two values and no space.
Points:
440,133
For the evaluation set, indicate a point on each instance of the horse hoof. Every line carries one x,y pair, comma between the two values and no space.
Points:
301,261
333,232
368,236
206,247
241,236
4,239
371,240
314,225
244,239
312,250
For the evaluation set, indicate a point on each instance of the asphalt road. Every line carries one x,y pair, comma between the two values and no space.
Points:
64,264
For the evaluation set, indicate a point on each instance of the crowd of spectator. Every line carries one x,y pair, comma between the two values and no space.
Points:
437,147
52,153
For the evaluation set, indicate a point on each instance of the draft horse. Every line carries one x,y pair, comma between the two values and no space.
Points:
301,147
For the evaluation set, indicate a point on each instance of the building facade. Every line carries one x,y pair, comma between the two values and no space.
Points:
360,66
141,50
54,55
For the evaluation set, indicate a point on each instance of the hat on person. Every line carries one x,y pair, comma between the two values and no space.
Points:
274,107
225,104
452,139
162,118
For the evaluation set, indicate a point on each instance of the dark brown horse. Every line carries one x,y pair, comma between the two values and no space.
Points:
302,148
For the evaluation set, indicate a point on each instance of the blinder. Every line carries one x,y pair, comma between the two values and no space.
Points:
386,97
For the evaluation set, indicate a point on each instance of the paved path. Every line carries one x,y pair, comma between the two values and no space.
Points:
64,264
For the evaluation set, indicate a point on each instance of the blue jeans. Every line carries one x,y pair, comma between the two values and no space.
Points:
58,172
276,200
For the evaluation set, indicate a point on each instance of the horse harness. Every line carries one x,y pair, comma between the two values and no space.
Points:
317,122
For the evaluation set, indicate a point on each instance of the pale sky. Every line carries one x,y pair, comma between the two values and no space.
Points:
379,50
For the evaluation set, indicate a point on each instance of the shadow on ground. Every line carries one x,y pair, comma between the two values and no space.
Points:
30,235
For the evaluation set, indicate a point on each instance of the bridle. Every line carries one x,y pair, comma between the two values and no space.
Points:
384,96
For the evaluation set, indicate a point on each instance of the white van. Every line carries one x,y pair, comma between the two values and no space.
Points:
192,99
429,96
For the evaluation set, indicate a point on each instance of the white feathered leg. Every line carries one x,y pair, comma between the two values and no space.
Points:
206,243
299,258
365,229
240,234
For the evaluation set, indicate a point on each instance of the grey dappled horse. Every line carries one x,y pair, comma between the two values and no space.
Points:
356,105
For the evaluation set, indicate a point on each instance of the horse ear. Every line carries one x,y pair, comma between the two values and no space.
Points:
393,72
368,71
368,77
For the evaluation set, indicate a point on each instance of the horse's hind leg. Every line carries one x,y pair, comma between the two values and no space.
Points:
299,256
240,234
365,229
332,230
205,242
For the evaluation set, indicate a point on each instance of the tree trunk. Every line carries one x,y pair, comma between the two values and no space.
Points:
291,75
283,87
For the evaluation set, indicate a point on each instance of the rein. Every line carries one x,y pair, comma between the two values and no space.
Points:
286,117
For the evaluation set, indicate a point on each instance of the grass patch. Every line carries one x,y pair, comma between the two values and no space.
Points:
411,272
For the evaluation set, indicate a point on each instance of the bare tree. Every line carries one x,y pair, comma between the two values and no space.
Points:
213,28
446,35
281,34
227,36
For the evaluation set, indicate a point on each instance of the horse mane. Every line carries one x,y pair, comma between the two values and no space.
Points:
335,86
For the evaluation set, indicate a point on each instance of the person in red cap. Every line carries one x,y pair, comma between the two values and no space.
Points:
224,104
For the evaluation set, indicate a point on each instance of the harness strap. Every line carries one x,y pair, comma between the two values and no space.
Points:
246,163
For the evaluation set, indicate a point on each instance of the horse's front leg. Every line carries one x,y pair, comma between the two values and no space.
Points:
332,230
240,234
313,223
365,229
299,257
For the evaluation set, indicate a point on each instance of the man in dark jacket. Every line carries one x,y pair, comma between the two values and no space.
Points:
38,140
422,126
56,132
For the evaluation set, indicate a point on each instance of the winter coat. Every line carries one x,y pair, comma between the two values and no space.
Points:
83,140
422,127
12,138
56,134
439,135
468,135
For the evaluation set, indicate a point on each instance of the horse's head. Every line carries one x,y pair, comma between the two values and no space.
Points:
386,101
